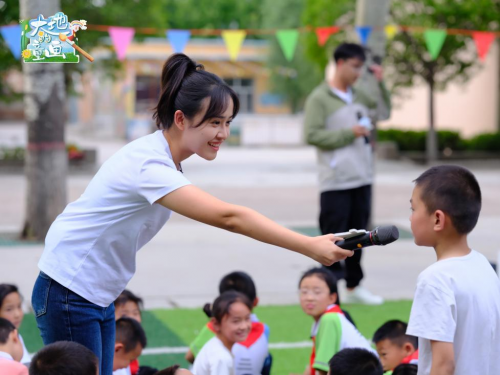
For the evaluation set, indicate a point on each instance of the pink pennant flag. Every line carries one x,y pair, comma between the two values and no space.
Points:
323,33
121,38
483,42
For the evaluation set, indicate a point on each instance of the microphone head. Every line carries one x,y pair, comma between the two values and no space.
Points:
386,234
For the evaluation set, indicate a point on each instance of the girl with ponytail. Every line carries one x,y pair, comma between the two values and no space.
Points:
90,249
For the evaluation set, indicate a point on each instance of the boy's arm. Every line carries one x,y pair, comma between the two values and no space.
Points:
317,134
443,358
189,356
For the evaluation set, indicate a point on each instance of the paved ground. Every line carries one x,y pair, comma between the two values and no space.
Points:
181,266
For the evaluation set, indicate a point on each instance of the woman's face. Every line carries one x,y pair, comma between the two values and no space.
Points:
315,296
235,325
12,310
206,139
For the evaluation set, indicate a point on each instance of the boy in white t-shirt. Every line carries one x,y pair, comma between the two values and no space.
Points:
456,310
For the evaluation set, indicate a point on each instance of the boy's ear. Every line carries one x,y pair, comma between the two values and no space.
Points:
119,347
408,348
14,336
439,220
255,301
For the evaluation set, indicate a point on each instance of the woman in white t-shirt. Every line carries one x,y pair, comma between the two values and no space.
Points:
11,308
231,320
90,249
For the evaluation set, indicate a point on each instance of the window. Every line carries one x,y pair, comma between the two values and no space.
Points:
147,93
244,89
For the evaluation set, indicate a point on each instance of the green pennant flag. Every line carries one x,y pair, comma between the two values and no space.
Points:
434,40
288,42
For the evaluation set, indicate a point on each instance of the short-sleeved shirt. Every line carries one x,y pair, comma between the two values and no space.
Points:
332,333
214,359
249,355
457,300
91,247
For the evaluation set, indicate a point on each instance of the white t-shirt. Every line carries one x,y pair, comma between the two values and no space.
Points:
214,359
249,359
457,300
26,355
91,247
123,371
346,96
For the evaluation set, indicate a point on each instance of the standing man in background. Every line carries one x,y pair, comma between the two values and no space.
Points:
337,122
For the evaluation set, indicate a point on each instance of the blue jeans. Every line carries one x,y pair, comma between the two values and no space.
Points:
62,315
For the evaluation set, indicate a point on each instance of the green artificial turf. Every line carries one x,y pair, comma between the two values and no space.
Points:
288,324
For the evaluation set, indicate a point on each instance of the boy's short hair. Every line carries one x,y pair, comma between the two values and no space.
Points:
355,361
129,332
169,370
6,327
455,191
128,296
64,358
240,282
406,369
395,332
324,274
349,51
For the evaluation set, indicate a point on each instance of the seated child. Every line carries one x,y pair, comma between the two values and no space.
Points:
174,370
251,357
456,308
406,369
355,361
64,358
129,305
11,350
129,343
231,323
331,331
394,346
11,309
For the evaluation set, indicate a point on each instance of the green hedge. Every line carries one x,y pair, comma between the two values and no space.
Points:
410,140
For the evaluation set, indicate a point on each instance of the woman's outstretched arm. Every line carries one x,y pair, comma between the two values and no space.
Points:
198,205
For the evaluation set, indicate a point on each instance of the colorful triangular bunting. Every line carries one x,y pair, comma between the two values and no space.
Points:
287,40
234,39
483,42
323,33
391,31
178,39
121,38
363,33
12,36
434,39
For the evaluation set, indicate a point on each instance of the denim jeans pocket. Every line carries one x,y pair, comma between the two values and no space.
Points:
40,296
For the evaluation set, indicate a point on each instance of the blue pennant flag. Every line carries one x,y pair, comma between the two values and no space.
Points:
178,39
12,36
364,33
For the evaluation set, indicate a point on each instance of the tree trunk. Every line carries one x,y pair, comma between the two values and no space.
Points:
431,144
46,158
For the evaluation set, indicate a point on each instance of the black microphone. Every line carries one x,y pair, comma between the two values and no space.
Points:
379,236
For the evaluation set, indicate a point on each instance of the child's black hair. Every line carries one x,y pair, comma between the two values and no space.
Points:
395,332
327,276
240,282
5,290
406,369
223,303
349,51
6,327
64,358
169,370
128,296
455,191
184,86
355,361
129,332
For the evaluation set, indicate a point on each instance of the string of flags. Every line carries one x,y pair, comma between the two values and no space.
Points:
121,37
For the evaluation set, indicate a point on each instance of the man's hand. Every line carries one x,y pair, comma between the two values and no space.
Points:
377,71
360,131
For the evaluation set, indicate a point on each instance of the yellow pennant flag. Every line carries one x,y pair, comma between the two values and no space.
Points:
234,39
390,31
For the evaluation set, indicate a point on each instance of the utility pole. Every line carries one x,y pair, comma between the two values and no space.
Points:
46,159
